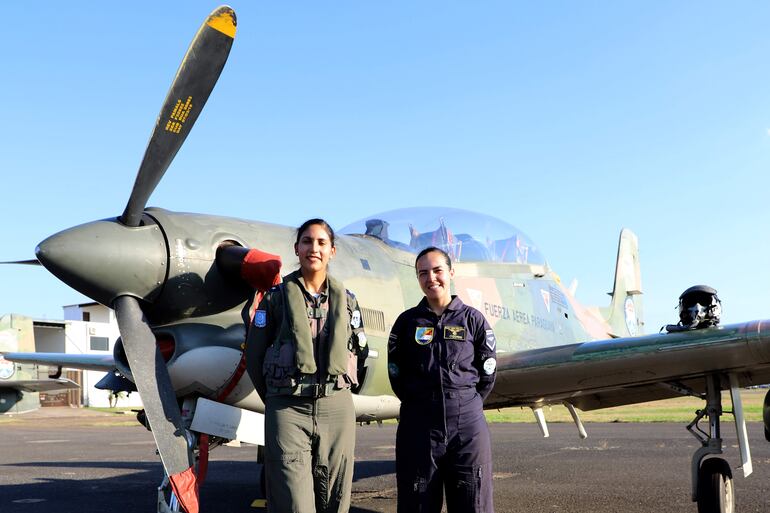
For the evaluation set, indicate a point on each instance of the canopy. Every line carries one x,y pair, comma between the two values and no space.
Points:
466,236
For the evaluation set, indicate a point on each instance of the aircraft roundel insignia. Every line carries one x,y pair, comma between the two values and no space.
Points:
630,315
7,369
423,335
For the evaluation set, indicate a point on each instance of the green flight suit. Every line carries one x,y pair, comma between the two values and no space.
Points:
309,416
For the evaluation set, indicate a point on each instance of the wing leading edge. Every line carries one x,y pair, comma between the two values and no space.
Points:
95,362
615,372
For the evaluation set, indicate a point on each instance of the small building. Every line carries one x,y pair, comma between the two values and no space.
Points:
87,328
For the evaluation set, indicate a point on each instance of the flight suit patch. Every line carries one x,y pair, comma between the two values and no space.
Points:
423,335
491,341
392,341
260,318
454,333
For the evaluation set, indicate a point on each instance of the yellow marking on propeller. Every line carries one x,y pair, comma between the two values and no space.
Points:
224,22
179,115
173,126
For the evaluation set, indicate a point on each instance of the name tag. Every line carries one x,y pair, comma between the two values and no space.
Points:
454,333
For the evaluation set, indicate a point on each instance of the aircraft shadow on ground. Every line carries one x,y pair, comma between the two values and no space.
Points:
229,486
374,468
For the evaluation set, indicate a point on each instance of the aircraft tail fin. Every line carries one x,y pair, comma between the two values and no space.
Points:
625,313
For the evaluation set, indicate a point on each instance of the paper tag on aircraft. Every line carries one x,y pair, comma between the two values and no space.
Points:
423,335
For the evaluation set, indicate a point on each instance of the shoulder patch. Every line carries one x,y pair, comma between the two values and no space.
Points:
392,341
490,364
491,341
355,319
260,318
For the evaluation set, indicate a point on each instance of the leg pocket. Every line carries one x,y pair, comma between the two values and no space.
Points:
464,489
289,482
412,494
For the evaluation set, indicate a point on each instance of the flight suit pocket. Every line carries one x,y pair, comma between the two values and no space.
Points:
467,489
279,367
352,372
350,378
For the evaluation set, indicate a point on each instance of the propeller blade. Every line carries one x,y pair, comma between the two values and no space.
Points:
160,404
195,79
23,262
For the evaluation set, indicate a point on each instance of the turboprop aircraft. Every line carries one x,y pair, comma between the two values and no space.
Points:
174,281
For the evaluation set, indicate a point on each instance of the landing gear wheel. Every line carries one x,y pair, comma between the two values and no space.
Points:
715,487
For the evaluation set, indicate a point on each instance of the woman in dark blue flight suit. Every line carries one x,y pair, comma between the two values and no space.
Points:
441,364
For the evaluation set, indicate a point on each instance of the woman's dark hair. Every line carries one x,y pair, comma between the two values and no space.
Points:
431,249
316,220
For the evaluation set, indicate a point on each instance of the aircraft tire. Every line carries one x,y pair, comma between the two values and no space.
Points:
716,493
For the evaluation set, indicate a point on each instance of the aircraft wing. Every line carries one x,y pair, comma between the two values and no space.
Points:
95,362
614,372
41,385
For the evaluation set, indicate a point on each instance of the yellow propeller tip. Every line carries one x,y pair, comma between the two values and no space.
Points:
223,20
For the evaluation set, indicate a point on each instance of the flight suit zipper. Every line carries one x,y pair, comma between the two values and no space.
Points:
316,340
442,358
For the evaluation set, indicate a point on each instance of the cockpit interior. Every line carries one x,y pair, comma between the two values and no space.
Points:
466,236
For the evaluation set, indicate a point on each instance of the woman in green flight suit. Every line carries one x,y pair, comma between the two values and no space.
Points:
302,352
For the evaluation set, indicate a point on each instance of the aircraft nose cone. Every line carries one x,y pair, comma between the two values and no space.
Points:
105,259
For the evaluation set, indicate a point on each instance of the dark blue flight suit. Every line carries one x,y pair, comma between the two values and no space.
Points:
442,368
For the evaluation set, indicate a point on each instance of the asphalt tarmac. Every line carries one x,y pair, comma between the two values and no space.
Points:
80,461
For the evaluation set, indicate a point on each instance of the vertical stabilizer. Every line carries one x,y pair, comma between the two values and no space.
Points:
625,313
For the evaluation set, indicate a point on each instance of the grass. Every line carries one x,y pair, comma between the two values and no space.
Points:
129,410
670,410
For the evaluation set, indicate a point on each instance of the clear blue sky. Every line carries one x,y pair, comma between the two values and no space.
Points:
570,120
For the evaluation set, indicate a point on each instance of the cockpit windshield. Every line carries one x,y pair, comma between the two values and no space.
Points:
466,236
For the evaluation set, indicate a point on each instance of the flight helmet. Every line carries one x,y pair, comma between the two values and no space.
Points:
699,307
